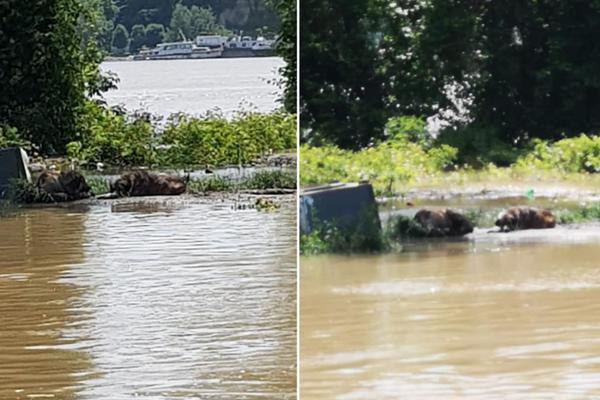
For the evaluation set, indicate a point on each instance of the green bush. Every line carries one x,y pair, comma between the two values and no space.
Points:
387,165
364,236
9,137
480,145
112,138
579,154
214,140
118,140
578,215
212,184
261,180
22,192
402,227
99,185
408,128
48,68
271,180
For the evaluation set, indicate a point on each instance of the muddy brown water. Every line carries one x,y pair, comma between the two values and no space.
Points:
493,316
153,300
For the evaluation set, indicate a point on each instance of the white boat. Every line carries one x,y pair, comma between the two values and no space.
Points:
245,46
212,41
178,51
246,42
262,44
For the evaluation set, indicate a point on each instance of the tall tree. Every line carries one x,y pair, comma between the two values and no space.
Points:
192,22
46,69
181,23
120,38
138,38
287,49
341,89
155,33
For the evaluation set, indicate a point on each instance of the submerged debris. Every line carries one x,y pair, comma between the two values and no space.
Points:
263,204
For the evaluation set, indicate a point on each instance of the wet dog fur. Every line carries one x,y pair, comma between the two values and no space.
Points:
63,186
519,218
143,183
441,223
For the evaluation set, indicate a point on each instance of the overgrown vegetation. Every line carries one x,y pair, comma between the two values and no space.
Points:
9,137
215,140
578,154
578,215
361,236
113,138
386,165
23,192
48,67
496,72
287,49
405,156
276,179
409,157
211,140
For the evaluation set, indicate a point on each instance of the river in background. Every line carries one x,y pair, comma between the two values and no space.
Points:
196,86
174,298
491,316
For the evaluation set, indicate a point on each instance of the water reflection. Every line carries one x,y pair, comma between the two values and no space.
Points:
194,301
38,347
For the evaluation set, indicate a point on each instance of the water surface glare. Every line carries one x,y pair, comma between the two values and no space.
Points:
195,86
472,319
168,300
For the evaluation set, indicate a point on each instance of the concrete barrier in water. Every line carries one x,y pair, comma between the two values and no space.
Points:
13,165
341,203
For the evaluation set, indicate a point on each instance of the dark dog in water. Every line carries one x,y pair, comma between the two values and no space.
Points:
440,223
143,183
517,218
63,186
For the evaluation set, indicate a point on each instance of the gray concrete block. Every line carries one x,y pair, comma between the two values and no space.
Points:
13,165
342,203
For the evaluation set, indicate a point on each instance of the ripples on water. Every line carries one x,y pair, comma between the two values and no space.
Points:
196,86
165,301
474,319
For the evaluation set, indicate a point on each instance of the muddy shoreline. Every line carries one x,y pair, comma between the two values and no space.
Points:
209,198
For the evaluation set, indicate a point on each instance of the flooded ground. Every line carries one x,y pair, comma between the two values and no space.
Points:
174,298
491,316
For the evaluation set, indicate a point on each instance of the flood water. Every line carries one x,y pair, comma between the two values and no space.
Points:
169,299
493,316
195,86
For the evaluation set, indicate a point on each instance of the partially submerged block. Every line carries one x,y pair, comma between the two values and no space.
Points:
341,203
13,165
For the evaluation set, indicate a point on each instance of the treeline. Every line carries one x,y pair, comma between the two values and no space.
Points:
496,73
129,25
50,52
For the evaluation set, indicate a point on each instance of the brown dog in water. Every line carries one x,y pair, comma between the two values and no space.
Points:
143,183
525,218
442,223
63,186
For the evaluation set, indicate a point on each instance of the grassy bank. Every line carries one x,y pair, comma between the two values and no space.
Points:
22,192
119,140
398,165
